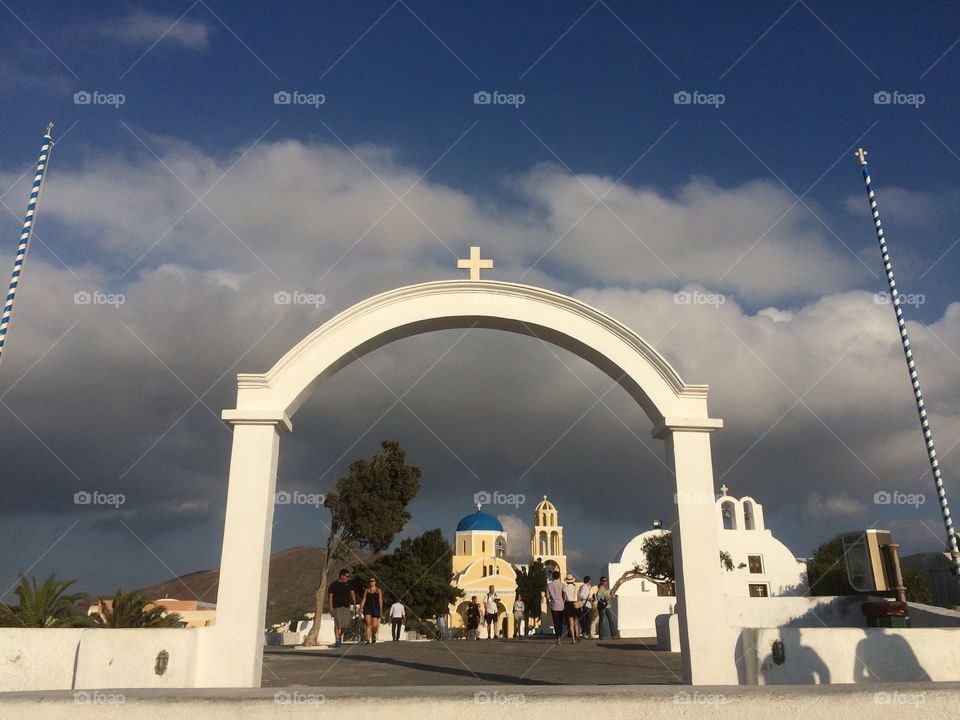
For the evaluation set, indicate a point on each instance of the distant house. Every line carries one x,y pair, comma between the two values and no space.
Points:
193,613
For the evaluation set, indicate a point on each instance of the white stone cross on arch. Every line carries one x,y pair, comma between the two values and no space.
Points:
232,652
474,264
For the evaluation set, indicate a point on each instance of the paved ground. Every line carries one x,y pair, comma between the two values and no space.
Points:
531,661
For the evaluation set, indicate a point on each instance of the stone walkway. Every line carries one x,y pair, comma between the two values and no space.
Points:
531,661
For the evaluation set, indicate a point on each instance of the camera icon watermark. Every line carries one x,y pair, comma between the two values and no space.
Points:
95,497
483,97
898,498
915,299
687,498
284,297
897,697
695,97
895,97
696,297
295,497
483,497
485,697
685,697
295,697
95,697
95,97
295,97
95,297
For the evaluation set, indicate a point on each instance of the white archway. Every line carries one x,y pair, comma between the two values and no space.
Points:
233,655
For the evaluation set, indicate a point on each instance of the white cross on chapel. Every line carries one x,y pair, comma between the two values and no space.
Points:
474,264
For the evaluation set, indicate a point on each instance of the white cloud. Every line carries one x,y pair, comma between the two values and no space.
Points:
144,28
518,536
815,398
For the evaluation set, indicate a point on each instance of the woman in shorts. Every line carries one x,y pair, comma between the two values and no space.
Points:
372,604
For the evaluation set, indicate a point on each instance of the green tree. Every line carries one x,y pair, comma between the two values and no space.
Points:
367,510
827,570
658,550
417,573
129,611
45,605
918,587
531,582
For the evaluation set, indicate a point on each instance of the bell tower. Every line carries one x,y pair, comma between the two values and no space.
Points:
546,542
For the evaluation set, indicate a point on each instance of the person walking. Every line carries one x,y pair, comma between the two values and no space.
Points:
604,611
342,602
372,604
585,595
398,616
518,613
442,626
473,619
555,599
571,606
491,611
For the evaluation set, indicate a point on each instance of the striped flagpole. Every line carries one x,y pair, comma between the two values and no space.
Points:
28,222
861,154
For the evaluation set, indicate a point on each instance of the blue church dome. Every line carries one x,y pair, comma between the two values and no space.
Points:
479,521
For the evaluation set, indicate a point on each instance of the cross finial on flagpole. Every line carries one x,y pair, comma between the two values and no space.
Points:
474,264
861,155
49,129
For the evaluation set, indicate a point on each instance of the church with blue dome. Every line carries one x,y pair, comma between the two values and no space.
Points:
480,560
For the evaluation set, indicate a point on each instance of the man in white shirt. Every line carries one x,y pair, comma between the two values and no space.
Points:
586,594
491,612
398,614
555,598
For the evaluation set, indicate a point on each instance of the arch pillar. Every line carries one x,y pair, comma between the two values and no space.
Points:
234,654
696,548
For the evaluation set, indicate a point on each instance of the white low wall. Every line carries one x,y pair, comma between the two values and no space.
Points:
73,658
38,658
636,614
504,702
852,655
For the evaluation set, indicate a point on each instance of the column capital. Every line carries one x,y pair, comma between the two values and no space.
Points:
685,424
257,417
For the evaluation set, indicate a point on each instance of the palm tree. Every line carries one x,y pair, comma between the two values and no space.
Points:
44,605
129,611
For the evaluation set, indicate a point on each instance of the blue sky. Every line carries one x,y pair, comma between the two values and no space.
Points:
756,196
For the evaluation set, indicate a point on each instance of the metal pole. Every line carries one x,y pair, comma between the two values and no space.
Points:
25,234
861,154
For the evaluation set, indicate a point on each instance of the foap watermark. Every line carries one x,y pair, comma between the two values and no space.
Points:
915,299
897,697
696,297
95,297
895,97
695,498
898,498
483,497
295,697
698,698
295,97
295,497
484,697
95,497
95,97
483,97
695,97
95,697
283,297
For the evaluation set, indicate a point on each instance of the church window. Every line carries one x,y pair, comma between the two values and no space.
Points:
464,547
729,518
554,543
484,571
748,516
483,546
544,550
759,590
756,564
